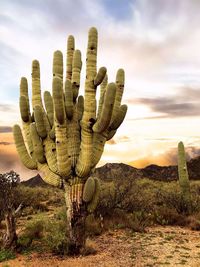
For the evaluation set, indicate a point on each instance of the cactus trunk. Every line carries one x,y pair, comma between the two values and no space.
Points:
75,224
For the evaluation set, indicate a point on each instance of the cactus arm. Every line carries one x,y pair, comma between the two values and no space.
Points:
111,134
107,109
83,166
24,109
58,64
52,134
49,107
25,113
70,52
80,108
76,70
89,189
119,92
95,199
58,101
36,90
102,93
29,162
100,76
68,99
99,141
48,176
117,121
24,88
37,144
63,161
50,154
39,120
74,138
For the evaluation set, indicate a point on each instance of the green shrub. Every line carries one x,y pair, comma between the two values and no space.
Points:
34,229
56,238
24,242
38,198
6,255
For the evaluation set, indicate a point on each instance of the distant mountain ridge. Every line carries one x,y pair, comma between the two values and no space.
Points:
111,171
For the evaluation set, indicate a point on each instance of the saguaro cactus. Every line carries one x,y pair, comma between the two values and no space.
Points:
184,178
65,138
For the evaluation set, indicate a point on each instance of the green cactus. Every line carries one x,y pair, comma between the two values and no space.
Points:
89,189
184,178
65,138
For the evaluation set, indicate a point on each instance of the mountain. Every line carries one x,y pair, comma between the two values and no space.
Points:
111,171
34,181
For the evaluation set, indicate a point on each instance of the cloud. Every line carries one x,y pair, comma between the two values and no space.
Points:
5,143
5,129
169,157
7,108
184,103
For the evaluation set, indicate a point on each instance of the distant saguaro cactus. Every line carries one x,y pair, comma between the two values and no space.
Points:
65,137
184,178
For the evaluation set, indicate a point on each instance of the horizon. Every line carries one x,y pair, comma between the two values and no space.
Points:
156,43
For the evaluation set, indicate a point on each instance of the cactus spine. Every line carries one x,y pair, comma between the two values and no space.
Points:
65,138
184,178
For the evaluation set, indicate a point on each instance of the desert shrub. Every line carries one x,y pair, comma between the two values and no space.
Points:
23,242
55,237
164,215
61,214
170,196
34,229
126,196
120,219
93,225
38,198
138,221
6,255
155,201
193,221
89,249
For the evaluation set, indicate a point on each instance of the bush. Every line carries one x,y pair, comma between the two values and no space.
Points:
56,238
38,198
93,225
164,215
6,255
34,229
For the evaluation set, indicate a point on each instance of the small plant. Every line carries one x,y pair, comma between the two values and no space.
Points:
6,255
34,229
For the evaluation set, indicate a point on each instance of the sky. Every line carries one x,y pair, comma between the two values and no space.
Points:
156,42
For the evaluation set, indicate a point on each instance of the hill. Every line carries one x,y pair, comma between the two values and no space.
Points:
112,171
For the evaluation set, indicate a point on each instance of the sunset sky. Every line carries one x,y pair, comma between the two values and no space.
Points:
157,43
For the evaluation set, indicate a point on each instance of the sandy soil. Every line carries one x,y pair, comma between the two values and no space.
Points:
160,246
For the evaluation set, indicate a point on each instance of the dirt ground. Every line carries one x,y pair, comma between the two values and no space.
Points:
159,246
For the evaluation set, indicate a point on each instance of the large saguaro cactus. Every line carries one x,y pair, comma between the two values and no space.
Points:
65,136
